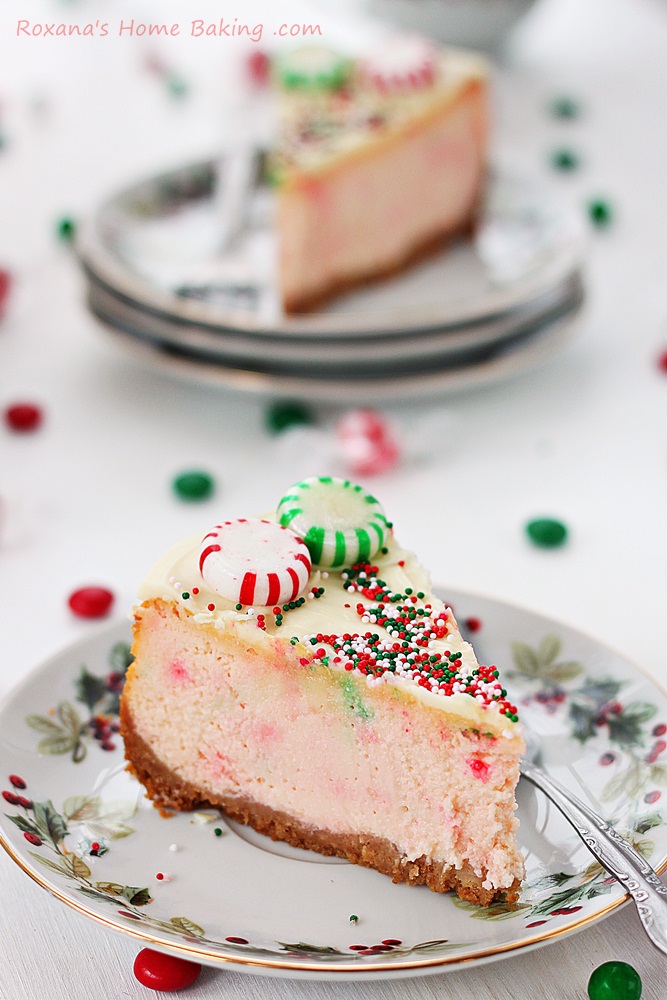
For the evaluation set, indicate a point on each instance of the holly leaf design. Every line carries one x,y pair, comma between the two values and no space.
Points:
102,819
649,822
89,689
69,717
567,670
600,690
120,657
42,724
111,888
48,863
548,649
525,659
438,944
542,662
50,823
583,726
625,729
58,743
80,808
310,949
24,825
187,926
136,896
77,866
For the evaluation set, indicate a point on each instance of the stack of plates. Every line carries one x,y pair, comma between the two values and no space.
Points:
160,280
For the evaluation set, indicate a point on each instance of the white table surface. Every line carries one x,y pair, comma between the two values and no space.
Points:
88,498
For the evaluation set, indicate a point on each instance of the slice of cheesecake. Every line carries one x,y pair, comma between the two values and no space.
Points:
297,672
380,161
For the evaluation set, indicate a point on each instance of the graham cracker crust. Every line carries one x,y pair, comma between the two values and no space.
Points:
170,792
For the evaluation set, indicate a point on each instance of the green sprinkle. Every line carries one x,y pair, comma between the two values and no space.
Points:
546,532
354,919
185,595
239,607
193,485
280,416
217,831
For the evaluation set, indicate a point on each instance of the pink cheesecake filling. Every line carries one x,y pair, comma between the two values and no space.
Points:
308,740
413,187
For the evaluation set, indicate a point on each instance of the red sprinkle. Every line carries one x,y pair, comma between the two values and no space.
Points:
662,362
164,972
23,417
473,624
91,602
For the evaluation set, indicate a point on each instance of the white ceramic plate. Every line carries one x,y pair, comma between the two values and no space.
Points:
157,245
431,377
236,897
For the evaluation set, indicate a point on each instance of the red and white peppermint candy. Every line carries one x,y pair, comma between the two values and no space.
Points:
400,64
252,561
367,443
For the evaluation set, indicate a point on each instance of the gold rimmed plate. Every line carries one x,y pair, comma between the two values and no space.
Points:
80,826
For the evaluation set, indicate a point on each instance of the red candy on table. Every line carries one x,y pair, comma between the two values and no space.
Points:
5,285
367,443
91,602
258,66
23,416
164,972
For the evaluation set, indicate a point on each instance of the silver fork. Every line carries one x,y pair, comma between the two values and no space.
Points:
615,854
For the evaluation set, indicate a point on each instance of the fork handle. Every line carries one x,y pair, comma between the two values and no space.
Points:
614,853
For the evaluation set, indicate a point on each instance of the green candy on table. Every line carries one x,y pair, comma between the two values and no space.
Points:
600,212
281,416
615,981
193,485
66,229
565,107
564,160
546,532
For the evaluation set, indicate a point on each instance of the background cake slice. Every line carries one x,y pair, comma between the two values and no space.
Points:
380,161
296,672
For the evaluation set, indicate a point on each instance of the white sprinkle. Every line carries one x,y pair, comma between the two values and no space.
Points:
173,847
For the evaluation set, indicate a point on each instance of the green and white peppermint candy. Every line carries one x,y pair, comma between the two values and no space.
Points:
341,523
314,68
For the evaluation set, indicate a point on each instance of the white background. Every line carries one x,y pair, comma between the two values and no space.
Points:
88,498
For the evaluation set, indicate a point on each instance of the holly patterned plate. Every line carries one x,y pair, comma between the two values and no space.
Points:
207,889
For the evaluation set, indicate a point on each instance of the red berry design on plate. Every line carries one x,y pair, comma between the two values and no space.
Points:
23,417
17,782
25,803
164,972
607,758
11,798
658,730
33,839
91,602
651,797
